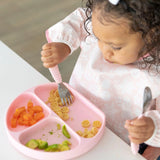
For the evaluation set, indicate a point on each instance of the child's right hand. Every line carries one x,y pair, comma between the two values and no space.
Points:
54,53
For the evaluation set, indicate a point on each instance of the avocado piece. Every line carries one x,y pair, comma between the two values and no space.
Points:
42,144
65,132
32,144
64,148
66,143
52,148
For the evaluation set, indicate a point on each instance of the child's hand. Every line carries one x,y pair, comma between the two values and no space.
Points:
54,53
140,130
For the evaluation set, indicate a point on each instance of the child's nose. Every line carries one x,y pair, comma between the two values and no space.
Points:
106,50
108,53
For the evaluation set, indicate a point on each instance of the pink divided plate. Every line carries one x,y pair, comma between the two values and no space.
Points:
80,110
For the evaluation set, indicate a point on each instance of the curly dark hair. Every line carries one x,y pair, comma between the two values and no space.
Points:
144,16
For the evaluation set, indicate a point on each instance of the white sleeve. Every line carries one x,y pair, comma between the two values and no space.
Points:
155,116
70,30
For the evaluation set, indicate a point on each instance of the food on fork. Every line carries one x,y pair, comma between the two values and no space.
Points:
56,105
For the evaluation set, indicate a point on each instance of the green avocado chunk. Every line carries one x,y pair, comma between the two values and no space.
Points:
66,143
64,148
65,132
42,144
52,148
32,144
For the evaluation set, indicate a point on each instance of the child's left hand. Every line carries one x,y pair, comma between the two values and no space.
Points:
140,130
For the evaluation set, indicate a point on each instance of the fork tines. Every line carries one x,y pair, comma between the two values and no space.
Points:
64,94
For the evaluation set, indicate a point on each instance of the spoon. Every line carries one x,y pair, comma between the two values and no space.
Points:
147,98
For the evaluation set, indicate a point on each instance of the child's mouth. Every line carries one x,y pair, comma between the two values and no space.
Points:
108,61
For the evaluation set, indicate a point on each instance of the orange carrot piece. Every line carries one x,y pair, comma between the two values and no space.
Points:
20,121
27,117
26,123
38,116
37,109
18,112
29,104
32,122
13,122
31,112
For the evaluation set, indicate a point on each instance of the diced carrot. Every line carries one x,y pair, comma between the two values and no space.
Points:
37,109
29,104
27,117
22,113
13,122
26,123
38,116
31,112
32,122
20,121
18,112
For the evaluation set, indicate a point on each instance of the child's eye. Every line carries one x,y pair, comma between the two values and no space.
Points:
116,48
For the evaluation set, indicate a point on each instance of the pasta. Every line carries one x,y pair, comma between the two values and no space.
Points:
97,124
55,104
89,133
85,123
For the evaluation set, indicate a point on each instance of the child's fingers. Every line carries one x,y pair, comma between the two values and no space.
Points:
132,128
49,65
140,121
48,59
140,135
136,140
47,46
140,129
46,53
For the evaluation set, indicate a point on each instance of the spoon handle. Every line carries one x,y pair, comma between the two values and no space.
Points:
135,147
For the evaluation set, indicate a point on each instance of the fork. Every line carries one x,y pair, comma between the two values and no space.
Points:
147,98
63,91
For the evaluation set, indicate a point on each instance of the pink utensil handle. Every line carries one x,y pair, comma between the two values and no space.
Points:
135,147
54,70
56,74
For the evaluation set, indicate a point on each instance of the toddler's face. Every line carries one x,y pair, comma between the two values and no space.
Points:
115,40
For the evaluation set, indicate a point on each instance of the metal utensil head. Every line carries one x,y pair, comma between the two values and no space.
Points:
147,98
64,94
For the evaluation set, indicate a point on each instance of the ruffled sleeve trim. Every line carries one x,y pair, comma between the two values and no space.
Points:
154,140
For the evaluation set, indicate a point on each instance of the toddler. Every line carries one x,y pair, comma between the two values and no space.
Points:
120,56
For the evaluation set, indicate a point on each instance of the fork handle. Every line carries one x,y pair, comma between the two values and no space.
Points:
54,70
135,147
56,74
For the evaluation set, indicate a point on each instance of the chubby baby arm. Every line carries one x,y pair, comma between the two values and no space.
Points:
54,53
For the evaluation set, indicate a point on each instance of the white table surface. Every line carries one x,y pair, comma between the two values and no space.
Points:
16,75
